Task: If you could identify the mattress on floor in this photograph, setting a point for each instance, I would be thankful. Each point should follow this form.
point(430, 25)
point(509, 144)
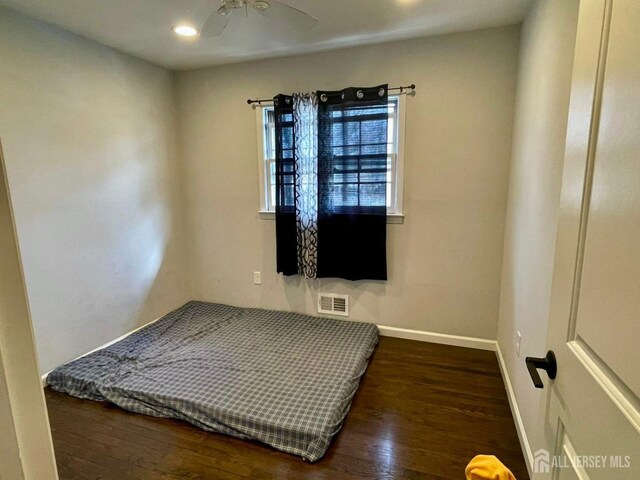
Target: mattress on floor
point(285, 379)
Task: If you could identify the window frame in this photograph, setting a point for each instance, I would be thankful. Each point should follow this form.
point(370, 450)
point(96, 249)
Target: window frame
point(395, 213)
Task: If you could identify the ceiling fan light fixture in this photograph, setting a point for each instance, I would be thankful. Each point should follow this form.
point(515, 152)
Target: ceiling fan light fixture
point(185, 30)
point(261, 5)
point(288, 16)
point(233, 4)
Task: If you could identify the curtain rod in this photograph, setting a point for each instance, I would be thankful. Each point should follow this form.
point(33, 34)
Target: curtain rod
point(408, 90)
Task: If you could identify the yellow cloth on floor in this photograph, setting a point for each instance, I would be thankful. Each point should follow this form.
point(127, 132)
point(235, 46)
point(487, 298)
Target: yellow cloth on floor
point(487, 467)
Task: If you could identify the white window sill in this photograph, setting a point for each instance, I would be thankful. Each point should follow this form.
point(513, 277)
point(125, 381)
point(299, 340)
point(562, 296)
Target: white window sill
point(391, 217)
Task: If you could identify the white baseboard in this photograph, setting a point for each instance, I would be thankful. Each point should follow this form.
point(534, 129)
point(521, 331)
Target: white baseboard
point(515, 411)
point(442, 338)
point(43, 377)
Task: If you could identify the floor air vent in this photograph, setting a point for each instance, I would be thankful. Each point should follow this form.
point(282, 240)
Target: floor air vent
point(333, 304)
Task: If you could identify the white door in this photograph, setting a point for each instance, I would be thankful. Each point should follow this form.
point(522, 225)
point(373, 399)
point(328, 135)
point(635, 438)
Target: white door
point(591, 414)
point(26, 449)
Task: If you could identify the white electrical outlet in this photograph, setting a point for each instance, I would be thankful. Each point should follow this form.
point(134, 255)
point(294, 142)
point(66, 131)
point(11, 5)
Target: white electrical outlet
point(257, 278)
point(518, 342)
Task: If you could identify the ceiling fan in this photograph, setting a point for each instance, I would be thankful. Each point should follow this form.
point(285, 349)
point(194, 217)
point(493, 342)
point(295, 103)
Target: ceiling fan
point(294, 18)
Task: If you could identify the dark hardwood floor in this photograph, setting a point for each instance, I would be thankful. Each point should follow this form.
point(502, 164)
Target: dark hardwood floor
point(422, 412)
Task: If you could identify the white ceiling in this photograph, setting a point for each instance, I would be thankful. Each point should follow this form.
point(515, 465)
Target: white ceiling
point(143, 27)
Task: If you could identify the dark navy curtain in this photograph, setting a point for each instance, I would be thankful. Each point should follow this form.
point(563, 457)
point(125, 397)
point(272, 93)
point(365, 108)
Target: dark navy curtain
point(351, 204)
point(286, 230)
point(352, 183)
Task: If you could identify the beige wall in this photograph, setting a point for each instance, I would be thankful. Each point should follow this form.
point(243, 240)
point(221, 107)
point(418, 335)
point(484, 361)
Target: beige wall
point(89, 140)
point(26, 450)
point(445, 260)
point(544, 81)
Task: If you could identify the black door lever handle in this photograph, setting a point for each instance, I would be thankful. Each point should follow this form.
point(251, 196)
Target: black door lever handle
point(547, 364)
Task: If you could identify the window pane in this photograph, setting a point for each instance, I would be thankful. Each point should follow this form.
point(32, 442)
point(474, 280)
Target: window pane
point(269, 133)
point(392, 145)
point(271, 184)
point(356, 162)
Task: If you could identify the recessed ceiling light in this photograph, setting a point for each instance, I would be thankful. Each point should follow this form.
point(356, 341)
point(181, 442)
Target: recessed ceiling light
point(185, 30)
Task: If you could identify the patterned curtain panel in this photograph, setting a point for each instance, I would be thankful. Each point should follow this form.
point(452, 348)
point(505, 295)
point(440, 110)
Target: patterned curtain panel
point(353, 175)
point(332, 176)
point(305, 128)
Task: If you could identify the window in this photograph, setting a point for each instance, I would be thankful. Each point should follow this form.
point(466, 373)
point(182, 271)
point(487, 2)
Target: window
point(267, 163)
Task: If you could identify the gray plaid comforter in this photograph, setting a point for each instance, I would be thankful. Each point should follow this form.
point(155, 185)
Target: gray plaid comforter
point(285, 379)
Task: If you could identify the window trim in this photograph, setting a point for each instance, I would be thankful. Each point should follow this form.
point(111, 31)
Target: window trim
point(262, 181)
point(393, 217)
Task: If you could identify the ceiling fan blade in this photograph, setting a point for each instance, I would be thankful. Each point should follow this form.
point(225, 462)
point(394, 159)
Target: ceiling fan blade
point(215, 24)
point(296, 19)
